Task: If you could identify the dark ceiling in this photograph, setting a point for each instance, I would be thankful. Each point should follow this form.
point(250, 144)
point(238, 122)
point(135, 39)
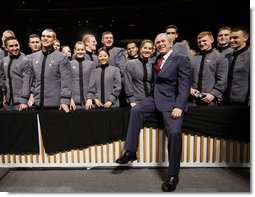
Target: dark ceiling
point(126, 19)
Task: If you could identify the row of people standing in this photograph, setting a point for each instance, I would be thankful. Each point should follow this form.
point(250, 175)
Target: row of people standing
point(172, 82)
point(211, 71)
point(221, 75)
point(53, 74)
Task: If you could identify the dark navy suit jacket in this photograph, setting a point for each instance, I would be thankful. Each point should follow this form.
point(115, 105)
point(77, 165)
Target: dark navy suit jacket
point(172, 85)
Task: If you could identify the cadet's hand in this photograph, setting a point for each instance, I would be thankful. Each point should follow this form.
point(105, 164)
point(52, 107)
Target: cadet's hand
point(176, 113)
point(72, 105)
point(98, 103)
point(31, 100)
point(193, 91)
point(108, 104)
point(208, 97)
point(4, 101)
point(64, 107)
point(22, 106)
point(89, 104)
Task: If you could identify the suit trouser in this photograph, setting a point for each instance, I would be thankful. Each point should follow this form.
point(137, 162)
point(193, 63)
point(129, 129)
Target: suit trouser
point(172, 126)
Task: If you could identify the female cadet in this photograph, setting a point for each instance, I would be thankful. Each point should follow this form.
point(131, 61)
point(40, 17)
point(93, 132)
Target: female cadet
point(83, 81)
point(108, 82)
point(138, 74)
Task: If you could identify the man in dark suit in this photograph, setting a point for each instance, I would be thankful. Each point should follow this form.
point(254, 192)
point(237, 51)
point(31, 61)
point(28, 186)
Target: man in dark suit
point(169, 95)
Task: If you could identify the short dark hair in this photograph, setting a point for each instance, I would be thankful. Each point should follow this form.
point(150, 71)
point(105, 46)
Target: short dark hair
point(105, 33)
point(244, 29)
point(33, 36)
point(103, 49)
point(172, 26)
point(225, 28)
point(9, 38)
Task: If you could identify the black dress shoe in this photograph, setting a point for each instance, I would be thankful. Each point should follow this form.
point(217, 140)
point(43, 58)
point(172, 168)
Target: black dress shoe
point(170, 184)
point(127, 157)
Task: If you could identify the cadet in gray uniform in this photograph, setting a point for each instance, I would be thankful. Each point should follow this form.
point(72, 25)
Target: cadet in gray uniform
point(52, 75)
point(17, 75)
point(108, 82)
point(209, 73)
point(83, 79)
point(3, 51)
point(34, 43)
point(179, 47)
point(90, 46)
point(238, 84)
point(132, 50)
point(223, 38)
point(138, 74)
point(117, 54)
point(117, 59)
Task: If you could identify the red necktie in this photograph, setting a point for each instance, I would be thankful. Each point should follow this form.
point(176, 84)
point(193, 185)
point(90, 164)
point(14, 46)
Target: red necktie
point(158, 64)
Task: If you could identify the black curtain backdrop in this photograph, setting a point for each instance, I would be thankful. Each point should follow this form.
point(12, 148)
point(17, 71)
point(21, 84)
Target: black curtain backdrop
point(79, 129)
point(18, 132)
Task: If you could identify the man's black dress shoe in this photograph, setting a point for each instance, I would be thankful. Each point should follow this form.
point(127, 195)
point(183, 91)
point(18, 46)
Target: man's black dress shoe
point(170, 184)
point(128, 156)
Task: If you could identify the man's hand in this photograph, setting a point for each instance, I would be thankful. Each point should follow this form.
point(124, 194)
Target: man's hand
point(98, 103)
point(23, 106)
point(89, 104)
point(31, 100)
point(193, 91)
point(132, 104)
point(64, 107)
point(208, 97)
point(4, 101)
point(108, 104)
point(72, 105)
point(176, 113)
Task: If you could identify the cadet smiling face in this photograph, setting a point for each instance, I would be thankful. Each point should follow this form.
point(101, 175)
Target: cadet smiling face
point(79, 50)
point(146, 50)
point(238, 40)
point(13, 47)
point(103, 57)
point(48, 38)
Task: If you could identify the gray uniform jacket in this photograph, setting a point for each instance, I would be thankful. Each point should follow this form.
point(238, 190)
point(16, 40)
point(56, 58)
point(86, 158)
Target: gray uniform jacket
point(182, 48)
point(83, 80)
point(17, 75)
point(52, 79)
point(89, 56)
point(108, 84)
point(223, 50)
point(28, 56)
point(3, 53)
point(118, 58)
point(238, 87)
point(137, 79)
point(210, 73)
